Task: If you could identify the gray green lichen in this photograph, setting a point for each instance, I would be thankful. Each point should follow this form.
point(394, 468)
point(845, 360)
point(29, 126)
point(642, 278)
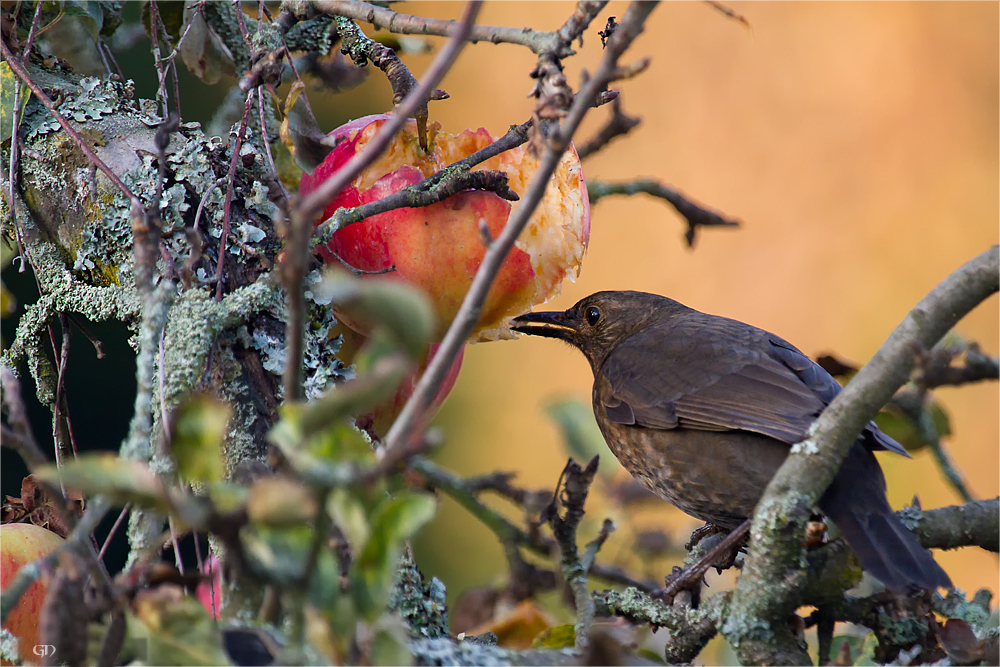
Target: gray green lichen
point(976, 612)
point(423, 607)
point(315, 35)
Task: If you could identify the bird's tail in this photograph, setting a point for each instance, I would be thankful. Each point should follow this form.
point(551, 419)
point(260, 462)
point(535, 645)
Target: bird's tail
point(856, 503)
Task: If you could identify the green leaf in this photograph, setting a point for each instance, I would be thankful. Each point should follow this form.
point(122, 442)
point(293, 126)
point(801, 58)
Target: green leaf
point(280, 501)
point(179, 631)
point(198, 433)
point(120, 480)
point(89, 13)
point(388, 646)
point(911, 424)
point(8, 81)
point(349, 513)
point(279, 554)
point(172, 16)
point(393, 522)
point(354, 397)
point(560, 636)
point(653, 657)
point(331, 458)
point(401, 309)
point(581, 433)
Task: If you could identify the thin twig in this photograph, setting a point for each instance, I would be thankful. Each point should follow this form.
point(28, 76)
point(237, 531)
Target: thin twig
point(114, 529)
point(292, 266)
point(162, 382)
point(15, 136)
point(61, 386)
point(469, 312)
point(267, 143)
point(26, 52)
point(936, 369)
point(573, 496)
point(230, 178)
point(459, 491)
point(946, 465)
point(98, 349)
point(694, 214)
point(197, 9)
point(517, 135)
point(447, 186)
point(551, 90)
point(111, 56)
point(615, 575)
point(728, 12)
point(618, 125)
point(161, 72)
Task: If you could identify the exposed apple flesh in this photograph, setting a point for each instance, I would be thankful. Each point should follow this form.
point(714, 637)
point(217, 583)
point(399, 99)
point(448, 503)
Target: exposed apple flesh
point(440, 247)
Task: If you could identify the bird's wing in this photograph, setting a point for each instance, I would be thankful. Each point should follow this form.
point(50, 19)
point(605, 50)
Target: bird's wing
point(742, 381)
point(826, 387)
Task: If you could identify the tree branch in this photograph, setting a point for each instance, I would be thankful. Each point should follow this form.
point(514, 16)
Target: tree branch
point(618, 125)
point(765, 593)
point(695, 214)
point(973, 524)
point(305, 211)
point(362, 48)
point(407, 24)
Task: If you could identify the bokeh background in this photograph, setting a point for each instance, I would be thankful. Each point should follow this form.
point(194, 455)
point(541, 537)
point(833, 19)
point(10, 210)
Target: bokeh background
point(857, 142)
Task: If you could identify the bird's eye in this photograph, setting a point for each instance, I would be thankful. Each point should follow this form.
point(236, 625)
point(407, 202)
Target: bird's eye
point(592, 315)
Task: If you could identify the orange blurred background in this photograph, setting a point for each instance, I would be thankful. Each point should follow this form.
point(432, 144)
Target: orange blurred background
point(858, 144)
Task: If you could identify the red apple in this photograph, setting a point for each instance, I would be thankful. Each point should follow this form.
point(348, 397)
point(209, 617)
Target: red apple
point(20, 544)
point(209, 591)
point(440, 247)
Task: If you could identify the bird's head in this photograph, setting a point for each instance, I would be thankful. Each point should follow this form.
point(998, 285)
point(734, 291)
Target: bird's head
point(597, 323)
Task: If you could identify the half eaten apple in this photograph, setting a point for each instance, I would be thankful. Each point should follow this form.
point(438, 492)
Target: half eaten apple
point(440, 247)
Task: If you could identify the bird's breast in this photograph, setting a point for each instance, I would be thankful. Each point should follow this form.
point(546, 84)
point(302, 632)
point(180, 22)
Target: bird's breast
point(715, 476)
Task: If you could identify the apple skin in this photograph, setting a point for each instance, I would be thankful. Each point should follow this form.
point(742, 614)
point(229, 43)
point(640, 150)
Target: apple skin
point(209, 590)
point(21, 544)
point(440, 247)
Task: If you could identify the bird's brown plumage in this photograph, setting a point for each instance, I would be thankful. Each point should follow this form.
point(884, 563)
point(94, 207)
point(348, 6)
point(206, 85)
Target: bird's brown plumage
point(703, 409)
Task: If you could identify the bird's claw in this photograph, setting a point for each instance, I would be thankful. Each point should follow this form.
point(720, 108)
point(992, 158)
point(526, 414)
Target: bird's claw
point(701, 533)
point(681, 579)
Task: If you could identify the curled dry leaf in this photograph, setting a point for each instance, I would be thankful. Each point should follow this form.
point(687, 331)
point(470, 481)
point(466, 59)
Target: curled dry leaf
point(960, 642)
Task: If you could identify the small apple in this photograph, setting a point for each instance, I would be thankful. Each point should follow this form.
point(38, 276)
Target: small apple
point(20, 544)
point(440, 247)
point(209, 590)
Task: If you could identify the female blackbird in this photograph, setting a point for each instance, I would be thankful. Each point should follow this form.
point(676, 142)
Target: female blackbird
point(703, 410)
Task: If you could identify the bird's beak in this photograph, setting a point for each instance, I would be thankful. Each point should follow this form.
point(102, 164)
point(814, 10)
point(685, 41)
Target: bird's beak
point(550, 325)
